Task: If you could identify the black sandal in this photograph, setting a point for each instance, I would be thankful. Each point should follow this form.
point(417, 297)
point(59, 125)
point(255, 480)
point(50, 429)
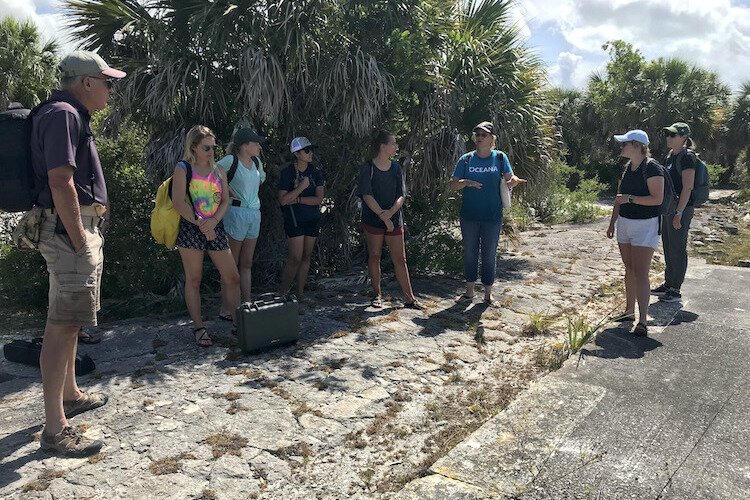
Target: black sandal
point(641, 330)
point(414, 305)
point(203, 340)
point(376, 302)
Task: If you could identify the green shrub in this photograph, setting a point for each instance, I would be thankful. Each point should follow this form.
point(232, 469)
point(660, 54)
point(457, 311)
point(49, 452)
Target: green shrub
point(715, 171)
point(134, 265)
point(563, 204)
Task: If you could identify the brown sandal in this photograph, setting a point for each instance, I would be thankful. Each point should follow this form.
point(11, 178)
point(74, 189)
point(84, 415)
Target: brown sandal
point(203, 340)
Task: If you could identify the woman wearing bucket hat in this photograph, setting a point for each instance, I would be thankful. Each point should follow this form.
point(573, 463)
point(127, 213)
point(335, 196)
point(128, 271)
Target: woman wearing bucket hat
point(478, 175)
point(300, 193)
point(681, 163)
point(245, 174)
point(635, 218)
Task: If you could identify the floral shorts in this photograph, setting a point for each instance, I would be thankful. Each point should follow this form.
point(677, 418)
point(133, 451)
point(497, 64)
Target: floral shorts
point(190, 236)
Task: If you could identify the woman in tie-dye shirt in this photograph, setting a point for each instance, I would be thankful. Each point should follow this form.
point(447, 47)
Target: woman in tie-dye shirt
point(202, 204)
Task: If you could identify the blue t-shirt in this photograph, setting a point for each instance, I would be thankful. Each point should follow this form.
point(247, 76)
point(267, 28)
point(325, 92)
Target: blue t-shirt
point(482, 204)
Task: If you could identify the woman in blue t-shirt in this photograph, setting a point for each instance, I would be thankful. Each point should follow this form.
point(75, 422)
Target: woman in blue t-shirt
point(242, 220)
point(381, 186)
point(300, 194)
point(478, 175)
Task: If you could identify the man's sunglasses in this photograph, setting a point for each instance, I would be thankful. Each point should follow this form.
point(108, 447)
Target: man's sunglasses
point(670, 134)
point(109, 82)
point(480, 135)
point(209, 148)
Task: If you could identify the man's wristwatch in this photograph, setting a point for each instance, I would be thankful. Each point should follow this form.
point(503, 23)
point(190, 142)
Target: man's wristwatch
point(678, 212)
point(630, 198)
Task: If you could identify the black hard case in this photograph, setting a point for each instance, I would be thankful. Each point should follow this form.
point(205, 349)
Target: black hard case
point(269, 321)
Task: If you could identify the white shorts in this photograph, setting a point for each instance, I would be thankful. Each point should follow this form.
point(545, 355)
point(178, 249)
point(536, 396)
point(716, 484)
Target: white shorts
point(638, 232)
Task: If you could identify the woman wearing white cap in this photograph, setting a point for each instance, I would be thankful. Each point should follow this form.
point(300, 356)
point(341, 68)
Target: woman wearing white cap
point(635, 216)
point(245, 174)
point(300, 194)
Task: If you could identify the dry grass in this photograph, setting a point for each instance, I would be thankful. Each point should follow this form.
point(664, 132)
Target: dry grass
point(96, 458)
point(338, 334)
point(236, 407)
point(207, 494)
point(148, 402)
point(169, 465)
point(232, 396)
point(42, 482)
point(300, 410)
point(225, 442)
point(291, 452)
point(384, 420)
point(356, 440)
point(450, 355)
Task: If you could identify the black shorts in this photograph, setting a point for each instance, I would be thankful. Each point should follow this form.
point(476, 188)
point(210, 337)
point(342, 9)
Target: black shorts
point(190, 236)
point(309, 228)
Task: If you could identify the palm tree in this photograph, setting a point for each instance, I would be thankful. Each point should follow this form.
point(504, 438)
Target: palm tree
point(29, 67)
point(336, 70)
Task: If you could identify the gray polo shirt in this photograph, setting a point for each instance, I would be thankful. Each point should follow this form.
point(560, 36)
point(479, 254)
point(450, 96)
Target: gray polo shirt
point(61, 135)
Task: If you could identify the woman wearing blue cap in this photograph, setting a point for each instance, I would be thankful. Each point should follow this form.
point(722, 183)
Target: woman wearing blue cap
point(635, 217)
point(245, 174)
point(300, 193)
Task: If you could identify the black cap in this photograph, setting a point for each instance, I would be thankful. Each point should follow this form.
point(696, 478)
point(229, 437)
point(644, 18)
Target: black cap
point(245, 135)
point(485, 126)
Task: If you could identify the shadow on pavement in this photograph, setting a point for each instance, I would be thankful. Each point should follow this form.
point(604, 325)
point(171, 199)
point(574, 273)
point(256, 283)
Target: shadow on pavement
point(11, 444)
point(618, 342)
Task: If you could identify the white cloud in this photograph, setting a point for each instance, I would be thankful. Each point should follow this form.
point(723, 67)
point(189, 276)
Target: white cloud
point(714, 34)
point(45, 14)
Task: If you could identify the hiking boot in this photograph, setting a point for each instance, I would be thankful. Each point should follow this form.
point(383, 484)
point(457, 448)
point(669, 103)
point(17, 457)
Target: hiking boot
point(86, 403)
point(671, 296)
point(660, 290)
point(70, 443)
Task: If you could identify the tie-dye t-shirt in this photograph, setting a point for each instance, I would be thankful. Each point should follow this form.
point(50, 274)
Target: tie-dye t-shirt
point(206, 193)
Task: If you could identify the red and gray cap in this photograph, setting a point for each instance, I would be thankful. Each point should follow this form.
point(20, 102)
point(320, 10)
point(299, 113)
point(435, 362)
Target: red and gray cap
point(85, 63)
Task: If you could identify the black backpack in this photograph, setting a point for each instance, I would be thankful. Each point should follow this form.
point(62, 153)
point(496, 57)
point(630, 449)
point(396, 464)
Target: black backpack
point(668, 202)
point(702, 184)
point(18, 182)
point(233, 168)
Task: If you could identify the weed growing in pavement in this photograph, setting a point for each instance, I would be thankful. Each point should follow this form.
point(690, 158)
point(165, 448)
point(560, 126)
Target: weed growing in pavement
point(169, 465)
point(580, 332)
point(43, 481)
point(225, 442)
point(538, 324)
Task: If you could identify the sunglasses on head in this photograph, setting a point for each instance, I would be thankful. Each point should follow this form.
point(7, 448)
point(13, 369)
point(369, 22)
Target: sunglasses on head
point(109, 82)
point(671, 134)
point(209, 148)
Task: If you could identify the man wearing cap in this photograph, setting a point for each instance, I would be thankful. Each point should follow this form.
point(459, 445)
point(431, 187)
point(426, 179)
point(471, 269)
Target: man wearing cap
point(75, 206)
point(680, 163)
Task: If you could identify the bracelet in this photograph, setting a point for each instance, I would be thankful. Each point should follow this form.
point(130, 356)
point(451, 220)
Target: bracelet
point(630, 198)
point(678, 212)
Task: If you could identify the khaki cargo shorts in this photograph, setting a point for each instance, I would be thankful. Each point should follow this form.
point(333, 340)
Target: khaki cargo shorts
point(74, 277)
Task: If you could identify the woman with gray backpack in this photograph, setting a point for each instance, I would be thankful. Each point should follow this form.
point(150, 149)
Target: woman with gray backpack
point(691, 184)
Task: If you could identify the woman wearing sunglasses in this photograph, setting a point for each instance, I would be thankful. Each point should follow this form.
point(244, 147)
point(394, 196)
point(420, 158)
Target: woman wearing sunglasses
point(635, 217)
point(300, 194)
point(242, 220)
point(680, 163)
point(381, 187)
point(478, 175)
point(201, 229)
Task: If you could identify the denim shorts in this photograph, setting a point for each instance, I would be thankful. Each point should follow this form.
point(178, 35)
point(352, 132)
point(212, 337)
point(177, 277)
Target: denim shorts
point(75, 278)
point(242, 223)
point(638, 232)
point(190, 236)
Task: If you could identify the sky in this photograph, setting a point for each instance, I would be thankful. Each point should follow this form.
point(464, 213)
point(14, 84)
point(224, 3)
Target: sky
point(568, 34)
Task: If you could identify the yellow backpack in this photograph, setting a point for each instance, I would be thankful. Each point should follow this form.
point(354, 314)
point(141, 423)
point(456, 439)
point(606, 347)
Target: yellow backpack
point(165, 220)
